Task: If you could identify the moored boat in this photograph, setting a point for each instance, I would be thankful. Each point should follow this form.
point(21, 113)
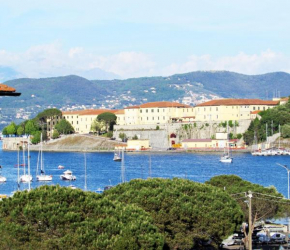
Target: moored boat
point(2, 179)
point(67, 176)
point(117, 156)
point(42, 176)
point(226, 159)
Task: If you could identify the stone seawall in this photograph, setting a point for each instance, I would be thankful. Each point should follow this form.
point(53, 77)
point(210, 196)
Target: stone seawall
point(159, 134)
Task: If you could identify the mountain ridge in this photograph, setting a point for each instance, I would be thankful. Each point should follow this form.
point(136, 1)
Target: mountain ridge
point(76, 92)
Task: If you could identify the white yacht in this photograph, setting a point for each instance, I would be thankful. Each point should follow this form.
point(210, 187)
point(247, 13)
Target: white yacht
point(67, 176)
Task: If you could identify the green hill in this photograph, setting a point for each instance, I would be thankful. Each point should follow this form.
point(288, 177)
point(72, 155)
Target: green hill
point(61, 92)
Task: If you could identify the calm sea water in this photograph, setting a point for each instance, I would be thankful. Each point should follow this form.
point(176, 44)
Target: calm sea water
point(102, 170)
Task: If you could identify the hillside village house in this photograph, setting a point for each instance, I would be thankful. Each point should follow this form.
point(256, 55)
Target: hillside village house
point(156, 113)
point(231, 109)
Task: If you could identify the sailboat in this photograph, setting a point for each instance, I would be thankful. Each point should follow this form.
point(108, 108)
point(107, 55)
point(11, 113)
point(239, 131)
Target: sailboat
point(2, 178)
point(226, 157)
point(117, 156)
point(26, 177)
point(42, 176)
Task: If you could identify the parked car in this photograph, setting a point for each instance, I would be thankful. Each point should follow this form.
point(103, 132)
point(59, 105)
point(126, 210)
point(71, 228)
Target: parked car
point(278, 237)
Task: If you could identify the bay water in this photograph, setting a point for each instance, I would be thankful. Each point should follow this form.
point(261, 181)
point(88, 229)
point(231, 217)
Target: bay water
point(102, 170)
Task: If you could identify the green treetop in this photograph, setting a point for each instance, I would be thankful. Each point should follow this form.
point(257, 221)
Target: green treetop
point(11, 129)
point(109, 119)
point(186, 213)
point(54, 217)
point(64, 127)
point(261, 207)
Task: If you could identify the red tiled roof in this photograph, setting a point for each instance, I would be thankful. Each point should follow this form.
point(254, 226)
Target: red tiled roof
point(133, 107)
point(89, 112)
point(75, 112)
point(256, 112)
point(197, 140)
point(160, 105)
point(96, 111)
point(119, 112)
point(230, 102)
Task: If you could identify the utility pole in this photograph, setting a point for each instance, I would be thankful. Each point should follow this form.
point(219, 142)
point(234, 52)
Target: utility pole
point(250, 195)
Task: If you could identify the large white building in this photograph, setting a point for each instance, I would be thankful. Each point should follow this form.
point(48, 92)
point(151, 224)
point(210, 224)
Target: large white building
point(82, 120)
point(156, 113)
point(231, 109)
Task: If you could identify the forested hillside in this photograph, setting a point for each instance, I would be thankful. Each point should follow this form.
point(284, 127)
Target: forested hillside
point(67, 91)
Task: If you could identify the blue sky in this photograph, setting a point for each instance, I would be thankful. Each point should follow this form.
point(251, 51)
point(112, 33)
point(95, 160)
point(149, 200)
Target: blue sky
point(134, 38)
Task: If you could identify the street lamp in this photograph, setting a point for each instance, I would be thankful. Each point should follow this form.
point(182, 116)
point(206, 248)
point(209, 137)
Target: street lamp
point(288, 171)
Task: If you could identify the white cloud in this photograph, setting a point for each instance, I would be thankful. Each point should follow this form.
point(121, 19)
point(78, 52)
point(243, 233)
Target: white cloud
point(52, 60)
point(267, 61)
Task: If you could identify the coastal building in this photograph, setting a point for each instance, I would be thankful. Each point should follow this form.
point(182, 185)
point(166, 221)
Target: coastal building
point(156, 113)
point(231, 109)
point(138, 144)
point(202, 143)
point(50, 123)
point(82, 120)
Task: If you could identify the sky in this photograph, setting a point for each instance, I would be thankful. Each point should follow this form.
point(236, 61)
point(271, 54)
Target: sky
point(133, 38)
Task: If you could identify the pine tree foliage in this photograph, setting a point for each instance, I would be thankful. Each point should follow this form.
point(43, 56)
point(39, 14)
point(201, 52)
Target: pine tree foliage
point(54, 217)
point(188, 214)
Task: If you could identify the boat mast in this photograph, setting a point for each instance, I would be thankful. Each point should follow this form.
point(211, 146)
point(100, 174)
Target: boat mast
point(23, 153)
point(85, 171)
point(41, 158)
point(123, 167)
point(18, 180)
point(150, 165)
point(28, 163)
point(228, 139)
point(279, 135)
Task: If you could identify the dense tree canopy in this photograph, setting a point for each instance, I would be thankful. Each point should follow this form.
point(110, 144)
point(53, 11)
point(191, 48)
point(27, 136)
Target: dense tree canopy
point(186, 213)
point(11, 129)
point(279, 115)
point(31, 127)
point(20, 130)
point(55, 134)
point(98, 126)
point(48, 113)
point(262, 206)
point(54, 217)
point(64, 127)
point(108, 118)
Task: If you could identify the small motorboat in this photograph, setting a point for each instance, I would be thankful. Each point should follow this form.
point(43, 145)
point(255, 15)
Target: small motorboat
point(72, 186)
point(99, 190)
point(67, 176)
point(2, 179)
point(60, 167)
